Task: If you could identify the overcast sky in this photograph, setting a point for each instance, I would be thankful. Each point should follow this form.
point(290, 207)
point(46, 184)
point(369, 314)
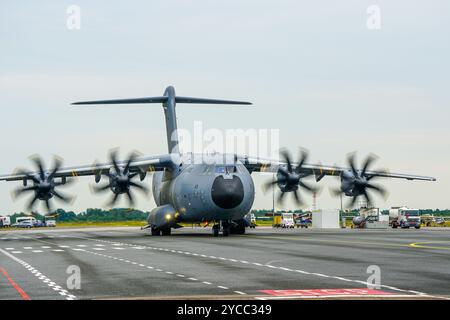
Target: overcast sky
point(312, 69)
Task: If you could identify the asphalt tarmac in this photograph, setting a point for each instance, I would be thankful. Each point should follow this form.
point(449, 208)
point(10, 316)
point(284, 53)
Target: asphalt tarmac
point(128, 263)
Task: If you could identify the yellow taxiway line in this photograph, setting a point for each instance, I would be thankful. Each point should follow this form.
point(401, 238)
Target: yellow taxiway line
point(416, 245)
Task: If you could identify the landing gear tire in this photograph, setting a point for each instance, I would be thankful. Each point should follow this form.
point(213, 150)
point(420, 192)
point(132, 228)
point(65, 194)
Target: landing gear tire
point(166, 231)
point(156, 232)
point(238, 227)
point(215, 230)
point(225, 228)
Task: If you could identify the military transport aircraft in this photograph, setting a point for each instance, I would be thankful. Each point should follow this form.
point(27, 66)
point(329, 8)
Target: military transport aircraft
point(196, 188)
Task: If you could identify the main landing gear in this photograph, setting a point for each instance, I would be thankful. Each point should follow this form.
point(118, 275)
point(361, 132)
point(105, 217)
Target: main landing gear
point(216, 230)
point(228, 227)
point(161, 231)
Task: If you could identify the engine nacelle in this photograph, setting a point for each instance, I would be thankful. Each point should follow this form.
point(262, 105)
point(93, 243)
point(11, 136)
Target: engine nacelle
point(358, 220)
point(163, 216)
point(347, 183)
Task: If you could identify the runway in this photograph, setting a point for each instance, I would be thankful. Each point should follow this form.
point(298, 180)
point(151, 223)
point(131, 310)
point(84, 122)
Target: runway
point(124, 263)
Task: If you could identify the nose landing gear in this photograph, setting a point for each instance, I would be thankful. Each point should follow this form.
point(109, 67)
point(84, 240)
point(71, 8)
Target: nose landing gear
point(224, 226)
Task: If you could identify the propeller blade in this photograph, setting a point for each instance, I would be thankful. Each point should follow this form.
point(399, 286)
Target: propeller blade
point(113, 158)
point(113, 200)
point(336, 192)
point(141, 187)
point(134, 175)
point(351, 163)
point(269, 184)
point(56, 167)
point(64, 198)
point(130, 198)
point(47, 204)
point(281, 197)
point(99, 189)
point(287, 159)
point(303, 158)
point(39, 164)
point(25, 173)
point(32, 202)
point(297, 198)
point(131, 158)
point(305, 186)
point(380, 189)
point(369, 160)
point(19, 191)
point(352, 203)
point(367, 197)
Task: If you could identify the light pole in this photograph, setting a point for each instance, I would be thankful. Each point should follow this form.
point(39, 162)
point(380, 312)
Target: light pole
point(273, 198)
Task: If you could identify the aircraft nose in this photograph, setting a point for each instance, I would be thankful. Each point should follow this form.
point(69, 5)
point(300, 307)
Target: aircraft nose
point(227, 193)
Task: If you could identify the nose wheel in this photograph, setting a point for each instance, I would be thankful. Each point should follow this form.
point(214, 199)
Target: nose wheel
point(224, 226)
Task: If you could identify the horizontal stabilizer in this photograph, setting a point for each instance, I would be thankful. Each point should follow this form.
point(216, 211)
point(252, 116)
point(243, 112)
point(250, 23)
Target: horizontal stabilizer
point(125, 101)
point(179, 99)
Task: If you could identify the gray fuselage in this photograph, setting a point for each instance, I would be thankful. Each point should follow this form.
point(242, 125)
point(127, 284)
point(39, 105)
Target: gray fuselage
point(205, 192)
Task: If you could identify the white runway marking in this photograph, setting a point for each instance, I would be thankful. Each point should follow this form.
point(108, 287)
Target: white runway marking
point(240, 292)
point(40, 276)
point(259, 264)
point(157, 269)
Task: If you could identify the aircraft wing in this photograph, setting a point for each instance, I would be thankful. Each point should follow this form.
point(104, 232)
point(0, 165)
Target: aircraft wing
point(141, 165)
point(319, 171)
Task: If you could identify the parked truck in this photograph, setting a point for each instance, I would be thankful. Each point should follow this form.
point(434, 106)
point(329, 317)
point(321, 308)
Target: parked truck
point(285, 220)
point(5, 222)
point(404, 217)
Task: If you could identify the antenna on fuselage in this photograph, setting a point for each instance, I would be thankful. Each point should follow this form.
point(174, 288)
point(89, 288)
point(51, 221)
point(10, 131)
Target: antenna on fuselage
point(169, 101)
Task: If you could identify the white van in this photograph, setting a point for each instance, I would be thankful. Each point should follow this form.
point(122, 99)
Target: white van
point(5, 222)
point(25, 222)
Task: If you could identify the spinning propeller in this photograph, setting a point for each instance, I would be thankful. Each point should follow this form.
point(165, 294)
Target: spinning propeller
point(289, 177)
point(44, 184)
point(357, 183)
point(120, 179)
